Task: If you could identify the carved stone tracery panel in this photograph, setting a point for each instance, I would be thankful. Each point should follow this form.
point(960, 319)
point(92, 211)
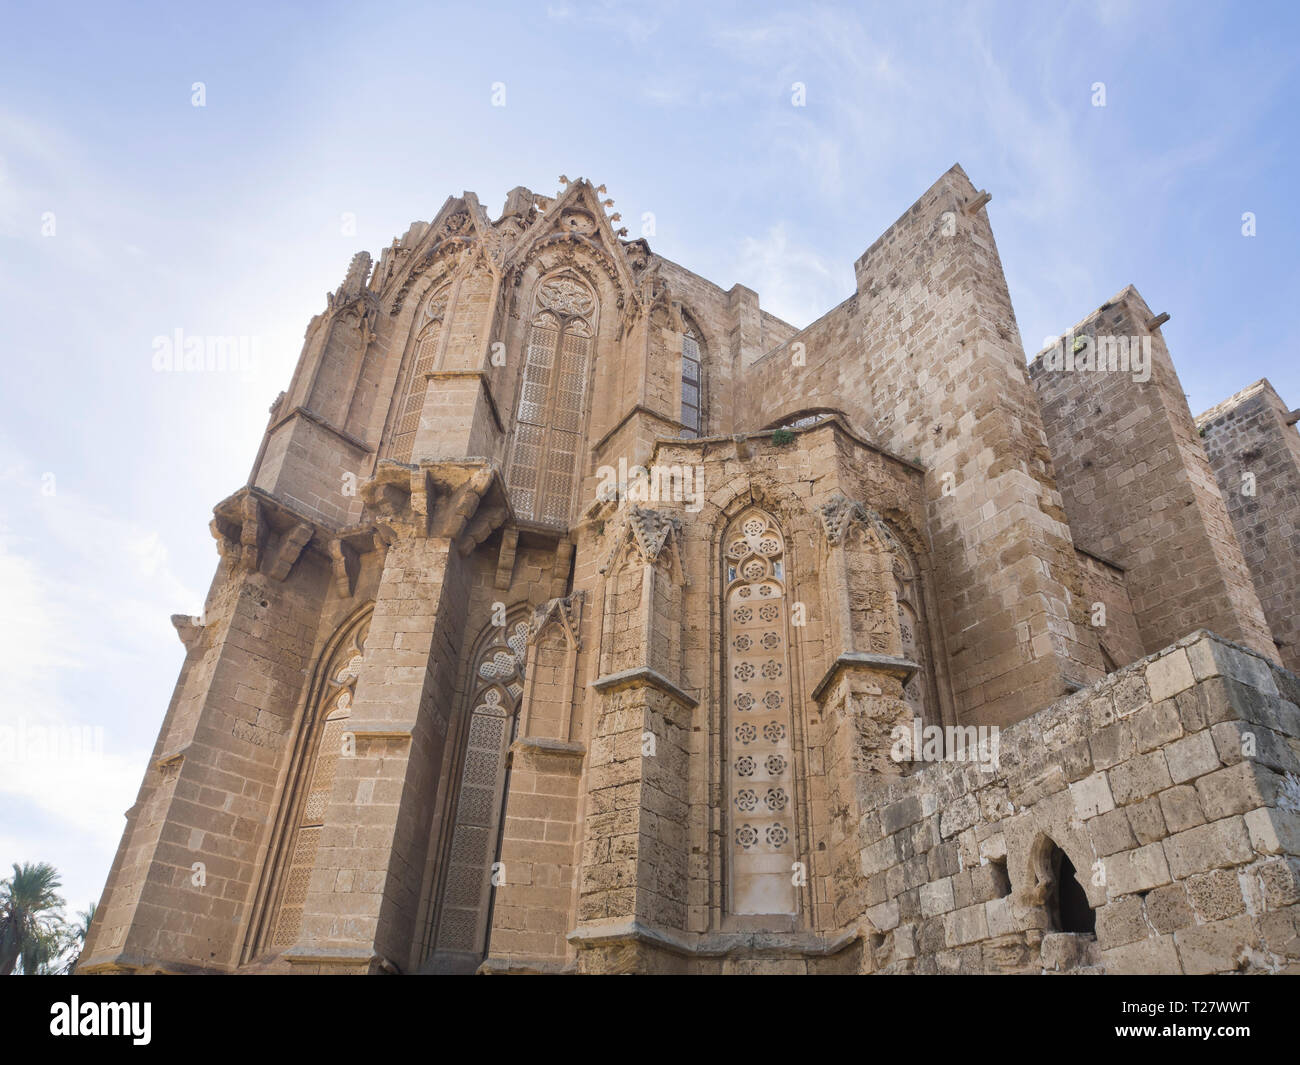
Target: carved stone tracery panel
point(758, 722)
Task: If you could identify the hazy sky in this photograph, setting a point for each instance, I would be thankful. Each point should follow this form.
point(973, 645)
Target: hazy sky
point(127, 213)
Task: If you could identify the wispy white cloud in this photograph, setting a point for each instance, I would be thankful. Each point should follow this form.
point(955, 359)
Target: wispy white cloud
point(84, 613)
point(797, 284)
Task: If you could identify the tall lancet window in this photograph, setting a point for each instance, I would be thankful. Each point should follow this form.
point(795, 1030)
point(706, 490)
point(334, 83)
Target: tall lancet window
point(432, 316)
point(552, 399)
point(457, 933)
point(756, 737)
point(318, 780)
point(692, 383)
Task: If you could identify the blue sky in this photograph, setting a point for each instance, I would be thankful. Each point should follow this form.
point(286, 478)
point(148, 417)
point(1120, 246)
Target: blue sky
point(228, 219)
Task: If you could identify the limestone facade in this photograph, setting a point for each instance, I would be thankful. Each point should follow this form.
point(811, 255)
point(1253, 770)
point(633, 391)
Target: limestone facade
point(576, 608)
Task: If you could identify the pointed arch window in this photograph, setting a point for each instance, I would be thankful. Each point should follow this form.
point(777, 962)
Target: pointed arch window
point(552, 401)
point(457, 933)
point(692, 384)
point(417, 381)
point(757, 738)
point(305, 839)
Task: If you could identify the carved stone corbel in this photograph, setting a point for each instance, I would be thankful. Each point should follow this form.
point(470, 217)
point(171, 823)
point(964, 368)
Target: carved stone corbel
point(252, 536)
point(256, 532)
point(188, 628)
point(291, 545)
point(461, 501)
point(344, 564)
point(506, 559)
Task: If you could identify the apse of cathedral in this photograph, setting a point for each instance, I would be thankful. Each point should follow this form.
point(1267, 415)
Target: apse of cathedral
point(579, 615)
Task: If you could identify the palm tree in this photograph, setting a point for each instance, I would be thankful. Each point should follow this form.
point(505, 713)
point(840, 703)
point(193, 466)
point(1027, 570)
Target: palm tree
point(76, 937)
point(31, 929)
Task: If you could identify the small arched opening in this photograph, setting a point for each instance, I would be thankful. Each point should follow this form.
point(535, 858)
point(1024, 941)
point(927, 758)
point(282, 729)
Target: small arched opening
point(1064, 898)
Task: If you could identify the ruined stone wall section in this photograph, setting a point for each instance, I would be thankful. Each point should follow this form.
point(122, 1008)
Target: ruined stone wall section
point(1138, 487)
point(1173, 786)
point(1253, 433)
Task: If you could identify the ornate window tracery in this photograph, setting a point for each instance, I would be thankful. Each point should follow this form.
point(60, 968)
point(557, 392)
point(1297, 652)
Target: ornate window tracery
point(458, 924)
point(757, 734)
point(426, 349)
point(552, 399)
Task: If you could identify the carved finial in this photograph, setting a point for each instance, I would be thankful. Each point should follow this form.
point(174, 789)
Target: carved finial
point(607, 203)
point(616, 217)
point(622, 232)
point(565, 181)
point(600, 190)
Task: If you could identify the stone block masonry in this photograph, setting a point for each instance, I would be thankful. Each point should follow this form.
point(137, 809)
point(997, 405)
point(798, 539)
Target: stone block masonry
point(1254, 450)
point(1173, 789)
point(460, 702)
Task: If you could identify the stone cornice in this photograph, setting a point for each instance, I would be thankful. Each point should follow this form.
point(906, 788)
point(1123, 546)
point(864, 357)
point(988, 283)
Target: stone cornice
point(541, 745)
point(459, 500)
point(890, 665)
point(643, 676)
point(338, 956)
point(638, 408)
point(833, 419)
point(316, 419)
point(711, 944)
point(258, 532)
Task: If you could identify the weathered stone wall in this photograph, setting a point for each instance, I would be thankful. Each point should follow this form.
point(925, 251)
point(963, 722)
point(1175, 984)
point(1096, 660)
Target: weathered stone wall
point(1138, 488)
point(925, 360)
point(1253, 433)
point(1171, 786)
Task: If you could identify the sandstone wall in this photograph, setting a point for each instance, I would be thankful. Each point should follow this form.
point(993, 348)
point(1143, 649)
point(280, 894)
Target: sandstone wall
point(1138, 489)
point(926, 360)
point(1254, 433)
point(1186, 847)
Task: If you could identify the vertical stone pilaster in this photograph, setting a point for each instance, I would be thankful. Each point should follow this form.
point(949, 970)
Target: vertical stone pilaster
point(539, 841)
point(362, 904)
point(861, 697)
point(634, 874)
